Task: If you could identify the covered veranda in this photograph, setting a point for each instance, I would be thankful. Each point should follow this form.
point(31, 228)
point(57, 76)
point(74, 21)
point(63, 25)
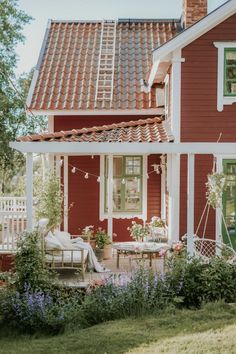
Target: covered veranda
point(172, 150)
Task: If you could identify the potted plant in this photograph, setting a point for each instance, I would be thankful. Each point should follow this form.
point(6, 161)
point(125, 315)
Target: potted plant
point(157, 224)
point(102, 241)
point(88, 235)
point(157, 228)
point(138, 231)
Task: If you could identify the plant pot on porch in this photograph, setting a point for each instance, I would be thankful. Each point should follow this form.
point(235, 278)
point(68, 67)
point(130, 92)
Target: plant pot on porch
point(99, 252)
point(107, 252)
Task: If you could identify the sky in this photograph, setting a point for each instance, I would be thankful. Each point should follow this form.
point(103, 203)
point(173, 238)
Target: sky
point(42, 10)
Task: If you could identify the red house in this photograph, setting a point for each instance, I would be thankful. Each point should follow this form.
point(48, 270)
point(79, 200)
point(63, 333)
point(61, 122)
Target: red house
point(126, 102)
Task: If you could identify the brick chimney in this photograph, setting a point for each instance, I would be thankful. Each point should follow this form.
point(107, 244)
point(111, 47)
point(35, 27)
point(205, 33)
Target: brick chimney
point(193, 11)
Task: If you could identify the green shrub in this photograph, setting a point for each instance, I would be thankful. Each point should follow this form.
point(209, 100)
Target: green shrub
point(37, 311)
point(138, 294)
point(30, 268)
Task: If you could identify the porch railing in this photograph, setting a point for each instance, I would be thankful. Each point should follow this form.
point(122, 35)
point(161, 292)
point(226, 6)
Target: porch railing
point(12, 221)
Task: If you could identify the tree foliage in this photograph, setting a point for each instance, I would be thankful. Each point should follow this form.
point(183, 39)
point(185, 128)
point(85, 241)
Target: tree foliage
point(13, 119)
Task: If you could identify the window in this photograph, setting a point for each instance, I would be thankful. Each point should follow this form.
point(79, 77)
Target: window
point(127, 184)
point(226, 75)
point(230, 72)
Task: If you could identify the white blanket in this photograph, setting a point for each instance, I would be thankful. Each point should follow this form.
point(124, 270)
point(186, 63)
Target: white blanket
point(92, 259)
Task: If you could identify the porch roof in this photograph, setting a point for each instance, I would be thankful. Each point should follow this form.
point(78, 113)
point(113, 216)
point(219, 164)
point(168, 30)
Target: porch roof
point(142, 130)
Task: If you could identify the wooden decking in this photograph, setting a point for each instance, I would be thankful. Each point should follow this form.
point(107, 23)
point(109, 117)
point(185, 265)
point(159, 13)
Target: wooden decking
point(127, 265)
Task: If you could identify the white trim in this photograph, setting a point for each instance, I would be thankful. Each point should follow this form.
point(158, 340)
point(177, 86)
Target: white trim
point(101, 188)
point(163, 187)
point(195, 31)
point(65, 177)
point(110, 197)
point(174, 192)
point(221, 99)
point(65, 148)
point(29, 191)
point(123, 215)
point(176, 94)
point(218, 218)
point(190, 204)
point(58, 166)
point(32, 86)
point(100, 112)
point(219, 169)
point(36, 71)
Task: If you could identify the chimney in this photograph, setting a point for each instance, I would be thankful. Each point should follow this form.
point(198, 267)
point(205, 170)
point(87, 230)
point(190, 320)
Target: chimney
point(193, 11)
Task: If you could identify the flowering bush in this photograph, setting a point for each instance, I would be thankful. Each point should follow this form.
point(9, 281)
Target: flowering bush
point(138, 231)
point(157, 222)
point(32, 311)
point(88, 232)
point(215, 187)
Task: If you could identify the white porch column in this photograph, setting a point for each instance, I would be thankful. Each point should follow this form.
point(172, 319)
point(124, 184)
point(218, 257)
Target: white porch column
point(163, 187)
point(173, 167)
point(190, 205)
point(110, 196)
point(29, 191)
point(51, 130)
point(65, 182)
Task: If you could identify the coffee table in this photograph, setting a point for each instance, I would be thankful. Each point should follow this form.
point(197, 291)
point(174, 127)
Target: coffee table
point(140, 248)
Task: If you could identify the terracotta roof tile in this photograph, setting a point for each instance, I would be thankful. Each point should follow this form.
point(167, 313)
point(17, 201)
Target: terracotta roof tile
point(69, 66)
point(142, 130)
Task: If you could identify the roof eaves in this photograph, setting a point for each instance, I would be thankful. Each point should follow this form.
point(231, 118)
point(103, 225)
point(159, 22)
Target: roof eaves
point(37, 68)
point(196, 30)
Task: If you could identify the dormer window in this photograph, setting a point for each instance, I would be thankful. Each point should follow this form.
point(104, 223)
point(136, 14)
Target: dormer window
point(230, 72)
point(226, 75)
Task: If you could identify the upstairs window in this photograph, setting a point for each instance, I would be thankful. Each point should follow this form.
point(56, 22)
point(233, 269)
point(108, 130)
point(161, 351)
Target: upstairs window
point(230, 72)
point(226, 74)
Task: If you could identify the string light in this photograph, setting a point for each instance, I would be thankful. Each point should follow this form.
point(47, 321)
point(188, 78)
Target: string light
point(92, 157)
point(61, 162)
point(98, 178)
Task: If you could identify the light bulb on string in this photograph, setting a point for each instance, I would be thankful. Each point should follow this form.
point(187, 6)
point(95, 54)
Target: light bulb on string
point(61, 162)
point(73, 170)
point(86, 176)
point(99, 179)
point(123, 181)
point(92, 156)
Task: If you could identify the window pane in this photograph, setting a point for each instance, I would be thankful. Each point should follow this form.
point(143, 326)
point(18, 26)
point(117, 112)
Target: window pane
point(132, 194)
point(133, 165)
point(117, 166)
point(230, 57)
point(230, 72)
point(117, 194)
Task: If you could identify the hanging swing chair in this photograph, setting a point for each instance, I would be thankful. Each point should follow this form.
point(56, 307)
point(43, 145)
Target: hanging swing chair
point(206, 248)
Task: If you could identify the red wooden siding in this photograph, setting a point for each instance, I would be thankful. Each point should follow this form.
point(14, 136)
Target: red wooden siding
point(84, 193)
point(200, 120)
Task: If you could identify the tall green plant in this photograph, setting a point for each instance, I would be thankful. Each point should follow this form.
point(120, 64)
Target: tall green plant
point(50, 201)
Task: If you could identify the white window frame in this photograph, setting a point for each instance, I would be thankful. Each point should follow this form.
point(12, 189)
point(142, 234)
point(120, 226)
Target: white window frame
point(219, 169)
point(123, 215)
point(221, 99)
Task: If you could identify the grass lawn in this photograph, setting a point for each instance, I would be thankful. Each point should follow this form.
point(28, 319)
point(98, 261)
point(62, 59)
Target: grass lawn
point(209, 330)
